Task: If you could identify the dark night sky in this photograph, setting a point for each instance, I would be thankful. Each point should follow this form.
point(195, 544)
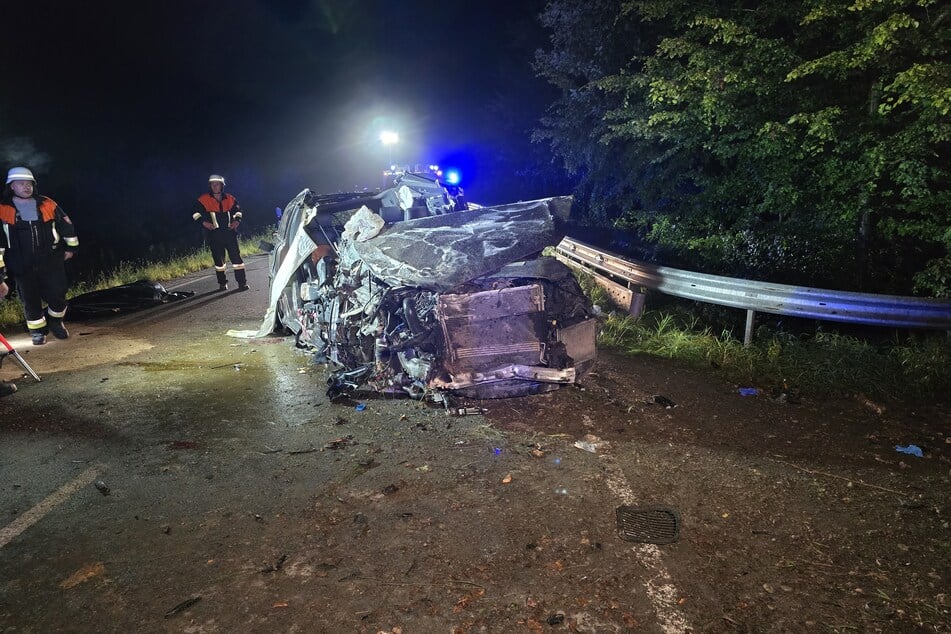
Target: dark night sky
point(126, 107)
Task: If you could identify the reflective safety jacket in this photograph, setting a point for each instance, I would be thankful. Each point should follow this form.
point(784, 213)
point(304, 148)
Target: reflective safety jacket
point(28, 243)
point(220, 213)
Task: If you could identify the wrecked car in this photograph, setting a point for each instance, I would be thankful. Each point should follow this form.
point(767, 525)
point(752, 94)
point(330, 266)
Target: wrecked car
point(401, 293)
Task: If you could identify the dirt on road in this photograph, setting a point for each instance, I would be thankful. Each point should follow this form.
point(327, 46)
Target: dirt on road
point(796, 516)
point(167, 477)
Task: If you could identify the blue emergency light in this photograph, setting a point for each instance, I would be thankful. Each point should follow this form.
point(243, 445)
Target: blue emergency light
point(452, 177)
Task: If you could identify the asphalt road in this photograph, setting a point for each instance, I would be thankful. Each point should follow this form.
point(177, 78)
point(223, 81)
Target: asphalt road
point(166, 476)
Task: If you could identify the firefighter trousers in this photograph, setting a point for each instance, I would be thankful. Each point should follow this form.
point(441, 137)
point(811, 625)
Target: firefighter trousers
point(226, 240)
point(44, 282)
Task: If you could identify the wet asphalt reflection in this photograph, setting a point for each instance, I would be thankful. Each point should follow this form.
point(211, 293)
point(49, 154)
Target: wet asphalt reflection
point(164, 476)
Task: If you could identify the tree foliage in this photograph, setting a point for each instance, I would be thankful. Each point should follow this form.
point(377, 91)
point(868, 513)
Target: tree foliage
point(803, 142)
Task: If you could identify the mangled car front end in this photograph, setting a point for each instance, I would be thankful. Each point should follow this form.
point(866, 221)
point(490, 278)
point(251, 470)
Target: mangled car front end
point(429, 302)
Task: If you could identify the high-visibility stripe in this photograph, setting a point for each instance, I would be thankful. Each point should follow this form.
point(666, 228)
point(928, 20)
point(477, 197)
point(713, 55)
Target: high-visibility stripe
point(56, 314)
point(36, 324)
point(237, 267)
point(72, 241)
point(196, 215)
point(221, 268)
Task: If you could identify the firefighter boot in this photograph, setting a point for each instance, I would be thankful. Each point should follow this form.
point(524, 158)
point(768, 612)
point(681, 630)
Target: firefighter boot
point(242, 279)
point(7, 388)
point(57, 328)
point(222, 280)
point(38, 336)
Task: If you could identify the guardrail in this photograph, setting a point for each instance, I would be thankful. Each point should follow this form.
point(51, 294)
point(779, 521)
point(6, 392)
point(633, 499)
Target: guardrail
point(626, 279)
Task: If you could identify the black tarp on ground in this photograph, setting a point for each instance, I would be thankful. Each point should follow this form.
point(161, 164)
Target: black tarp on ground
point(122, 299)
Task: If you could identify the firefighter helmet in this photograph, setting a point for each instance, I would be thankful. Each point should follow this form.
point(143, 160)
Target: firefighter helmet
point(19, 174)
point(216, 178)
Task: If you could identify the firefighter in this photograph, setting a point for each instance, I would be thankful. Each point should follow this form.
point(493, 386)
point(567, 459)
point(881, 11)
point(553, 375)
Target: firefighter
point(37, 238)
point(220, 214)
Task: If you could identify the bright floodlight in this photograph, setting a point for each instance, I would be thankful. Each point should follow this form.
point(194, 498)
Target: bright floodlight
point(388, 137)
point(452, 177)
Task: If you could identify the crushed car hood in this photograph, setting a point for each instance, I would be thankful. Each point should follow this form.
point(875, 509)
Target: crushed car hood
point(441, 252)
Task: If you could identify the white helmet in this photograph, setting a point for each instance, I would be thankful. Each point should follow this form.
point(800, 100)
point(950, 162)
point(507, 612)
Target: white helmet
point(19, 174)
point(216, 178)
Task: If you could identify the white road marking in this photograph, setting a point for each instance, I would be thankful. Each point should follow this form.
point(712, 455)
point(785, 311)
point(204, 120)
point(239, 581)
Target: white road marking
point(188, 282)
point(660, 588)
point(39, 511)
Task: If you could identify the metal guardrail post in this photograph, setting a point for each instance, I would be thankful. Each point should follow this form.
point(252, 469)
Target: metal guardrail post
point(748, 332)
point(638, 300)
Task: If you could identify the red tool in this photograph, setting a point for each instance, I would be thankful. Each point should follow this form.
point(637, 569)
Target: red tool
point(16, 355)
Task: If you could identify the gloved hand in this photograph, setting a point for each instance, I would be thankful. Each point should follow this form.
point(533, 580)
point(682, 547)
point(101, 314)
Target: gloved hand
point(234, 225)
point(4, 289)
point(207, 225)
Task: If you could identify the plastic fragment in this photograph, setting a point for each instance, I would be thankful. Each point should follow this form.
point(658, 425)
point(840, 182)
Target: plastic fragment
point(591, 443)
point(466, 411)
point(912, 450)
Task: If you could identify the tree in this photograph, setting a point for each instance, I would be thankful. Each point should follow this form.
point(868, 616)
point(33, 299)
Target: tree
point(799, 142)
point(881, 102)
point(590, 41)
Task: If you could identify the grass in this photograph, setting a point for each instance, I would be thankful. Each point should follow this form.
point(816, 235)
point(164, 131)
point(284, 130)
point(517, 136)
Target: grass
point(11, 312)
point(908, 368)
